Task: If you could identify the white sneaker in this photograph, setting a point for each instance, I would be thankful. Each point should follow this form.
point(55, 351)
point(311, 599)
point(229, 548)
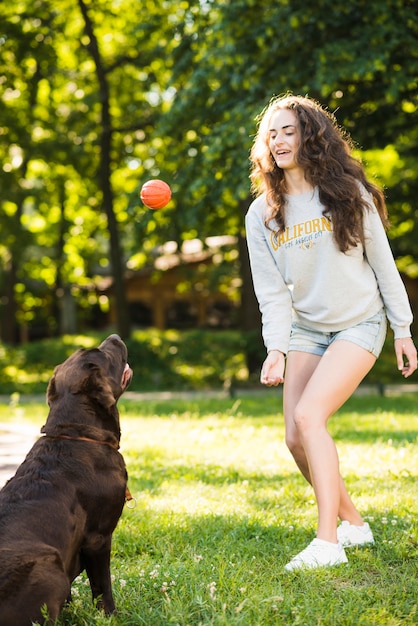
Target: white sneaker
point(319, 553)
point(350, 535)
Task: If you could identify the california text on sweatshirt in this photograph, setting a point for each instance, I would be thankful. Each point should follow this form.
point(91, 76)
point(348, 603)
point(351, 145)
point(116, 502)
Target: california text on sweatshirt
point(300, 274)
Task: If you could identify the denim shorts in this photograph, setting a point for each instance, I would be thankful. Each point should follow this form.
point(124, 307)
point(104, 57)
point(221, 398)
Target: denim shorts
point(369, 335)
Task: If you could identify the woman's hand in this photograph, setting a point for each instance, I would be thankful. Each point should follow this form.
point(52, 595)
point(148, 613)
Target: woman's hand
point(406, 356)
point(272, 372)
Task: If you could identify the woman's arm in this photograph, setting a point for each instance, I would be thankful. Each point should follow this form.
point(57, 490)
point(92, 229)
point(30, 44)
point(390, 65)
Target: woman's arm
point(270, 289)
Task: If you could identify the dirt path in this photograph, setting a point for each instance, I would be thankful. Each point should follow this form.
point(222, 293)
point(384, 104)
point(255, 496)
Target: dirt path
point(15, 443)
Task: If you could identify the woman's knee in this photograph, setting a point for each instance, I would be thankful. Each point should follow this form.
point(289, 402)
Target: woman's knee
point(301, 424)
point(300, 419)
point(293, 441)
point(308, 420)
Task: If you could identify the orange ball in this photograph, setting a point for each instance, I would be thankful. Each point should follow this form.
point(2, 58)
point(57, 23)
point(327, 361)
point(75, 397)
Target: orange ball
point(155, 194)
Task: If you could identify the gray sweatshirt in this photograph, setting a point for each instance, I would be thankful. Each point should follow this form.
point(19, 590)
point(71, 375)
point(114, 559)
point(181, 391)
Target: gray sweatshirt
point(302, 275)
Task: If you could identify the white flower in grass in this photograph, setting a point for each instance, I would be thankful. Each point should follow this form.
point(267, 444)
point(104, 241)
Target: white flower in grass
point(212, 590)
point(384, 520)
point(394, 522)
point(75, 591)
point(197, 557)
point(122, 582)
point(240, 606)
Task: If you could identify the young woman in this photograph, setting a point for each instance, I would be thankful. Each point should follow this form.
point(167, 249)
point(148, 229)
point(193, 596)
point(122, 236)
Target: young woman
point(325, 279)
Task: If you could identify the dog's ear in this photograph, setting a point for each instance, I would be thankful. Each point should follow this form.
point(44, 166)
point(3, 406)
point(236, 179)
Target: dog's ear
point(51, 392)
point(98, 388)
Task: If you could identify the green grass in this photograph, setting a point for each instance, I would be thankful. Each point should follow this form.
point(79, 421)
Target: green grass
point(221, 509)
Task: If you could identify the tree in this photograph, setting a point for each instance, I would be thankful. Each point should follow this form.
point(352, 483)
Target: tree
point(109, 98)
point(104, 176)
point(86, 136)
point(22, 73)
point(360, 62)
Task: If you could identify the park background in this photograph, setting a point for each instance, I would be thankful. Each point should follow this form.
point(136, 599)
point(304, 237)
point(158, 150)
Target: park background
point(96, 98)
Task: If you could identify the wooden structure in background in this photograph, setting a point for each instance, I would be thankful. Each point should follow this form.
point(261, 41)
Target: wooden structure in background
point(157, 295)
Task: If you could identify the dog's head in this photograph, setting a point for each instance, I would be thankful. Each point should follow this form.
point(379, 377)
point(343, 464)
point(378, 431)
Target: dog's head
point(100, 374)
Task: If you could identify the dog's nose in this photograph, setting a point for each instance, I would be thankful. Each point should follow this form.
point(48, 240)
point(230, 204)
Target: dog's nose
point(115, 337)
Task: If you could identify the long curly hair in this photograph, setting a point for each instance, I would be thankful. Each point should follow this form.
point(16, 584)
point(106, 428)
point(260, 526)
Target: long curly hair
point(324, 153)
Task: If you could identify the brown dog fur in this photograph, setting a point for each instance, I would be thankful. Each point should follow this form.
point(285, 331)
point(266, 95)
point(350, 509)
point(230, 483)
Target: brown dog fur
point(58, 513)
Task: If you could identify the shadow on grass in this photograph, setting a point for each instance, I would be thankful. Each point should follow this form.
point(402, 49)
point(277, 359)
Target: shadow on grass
point(216, 533)
point(228, 570)
point(199, 534)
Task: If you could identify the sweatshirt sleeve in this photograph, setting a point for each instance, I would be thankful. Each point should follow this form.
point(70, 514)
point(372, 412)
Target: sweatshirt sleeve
point(272, 293)
point(391, 287)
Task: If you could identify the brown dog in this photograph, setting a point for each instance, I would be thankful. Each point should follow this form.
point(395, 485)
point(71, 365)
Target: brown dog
point(58, 513)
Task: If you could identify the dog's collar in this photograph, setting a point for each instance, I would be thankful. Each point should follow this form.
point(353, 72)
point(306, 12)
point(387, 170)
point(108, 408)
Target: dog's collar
point(115, 445)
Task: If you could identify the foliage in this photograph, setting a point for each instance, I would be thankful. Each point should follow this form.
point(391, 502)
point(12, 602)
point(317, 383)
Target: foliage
point(185, 82)
point(51, 136)
point(163, 360)
point(245, 52)
point(221, 508)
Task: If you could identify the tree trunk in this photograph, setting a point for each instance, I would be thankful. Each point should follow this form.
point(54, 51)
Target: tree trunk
point(10, 332)
point(8, 323)
point(116, 257)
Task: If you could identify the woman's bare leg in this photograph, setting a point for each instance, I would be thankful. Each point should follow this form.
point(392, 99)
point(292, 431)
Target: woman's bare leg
point(315, 387)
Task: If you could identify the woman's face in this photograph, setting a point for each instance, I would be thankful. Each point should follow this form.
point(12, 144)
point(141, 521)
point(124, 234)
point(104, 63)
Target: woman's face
point(284, 138)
